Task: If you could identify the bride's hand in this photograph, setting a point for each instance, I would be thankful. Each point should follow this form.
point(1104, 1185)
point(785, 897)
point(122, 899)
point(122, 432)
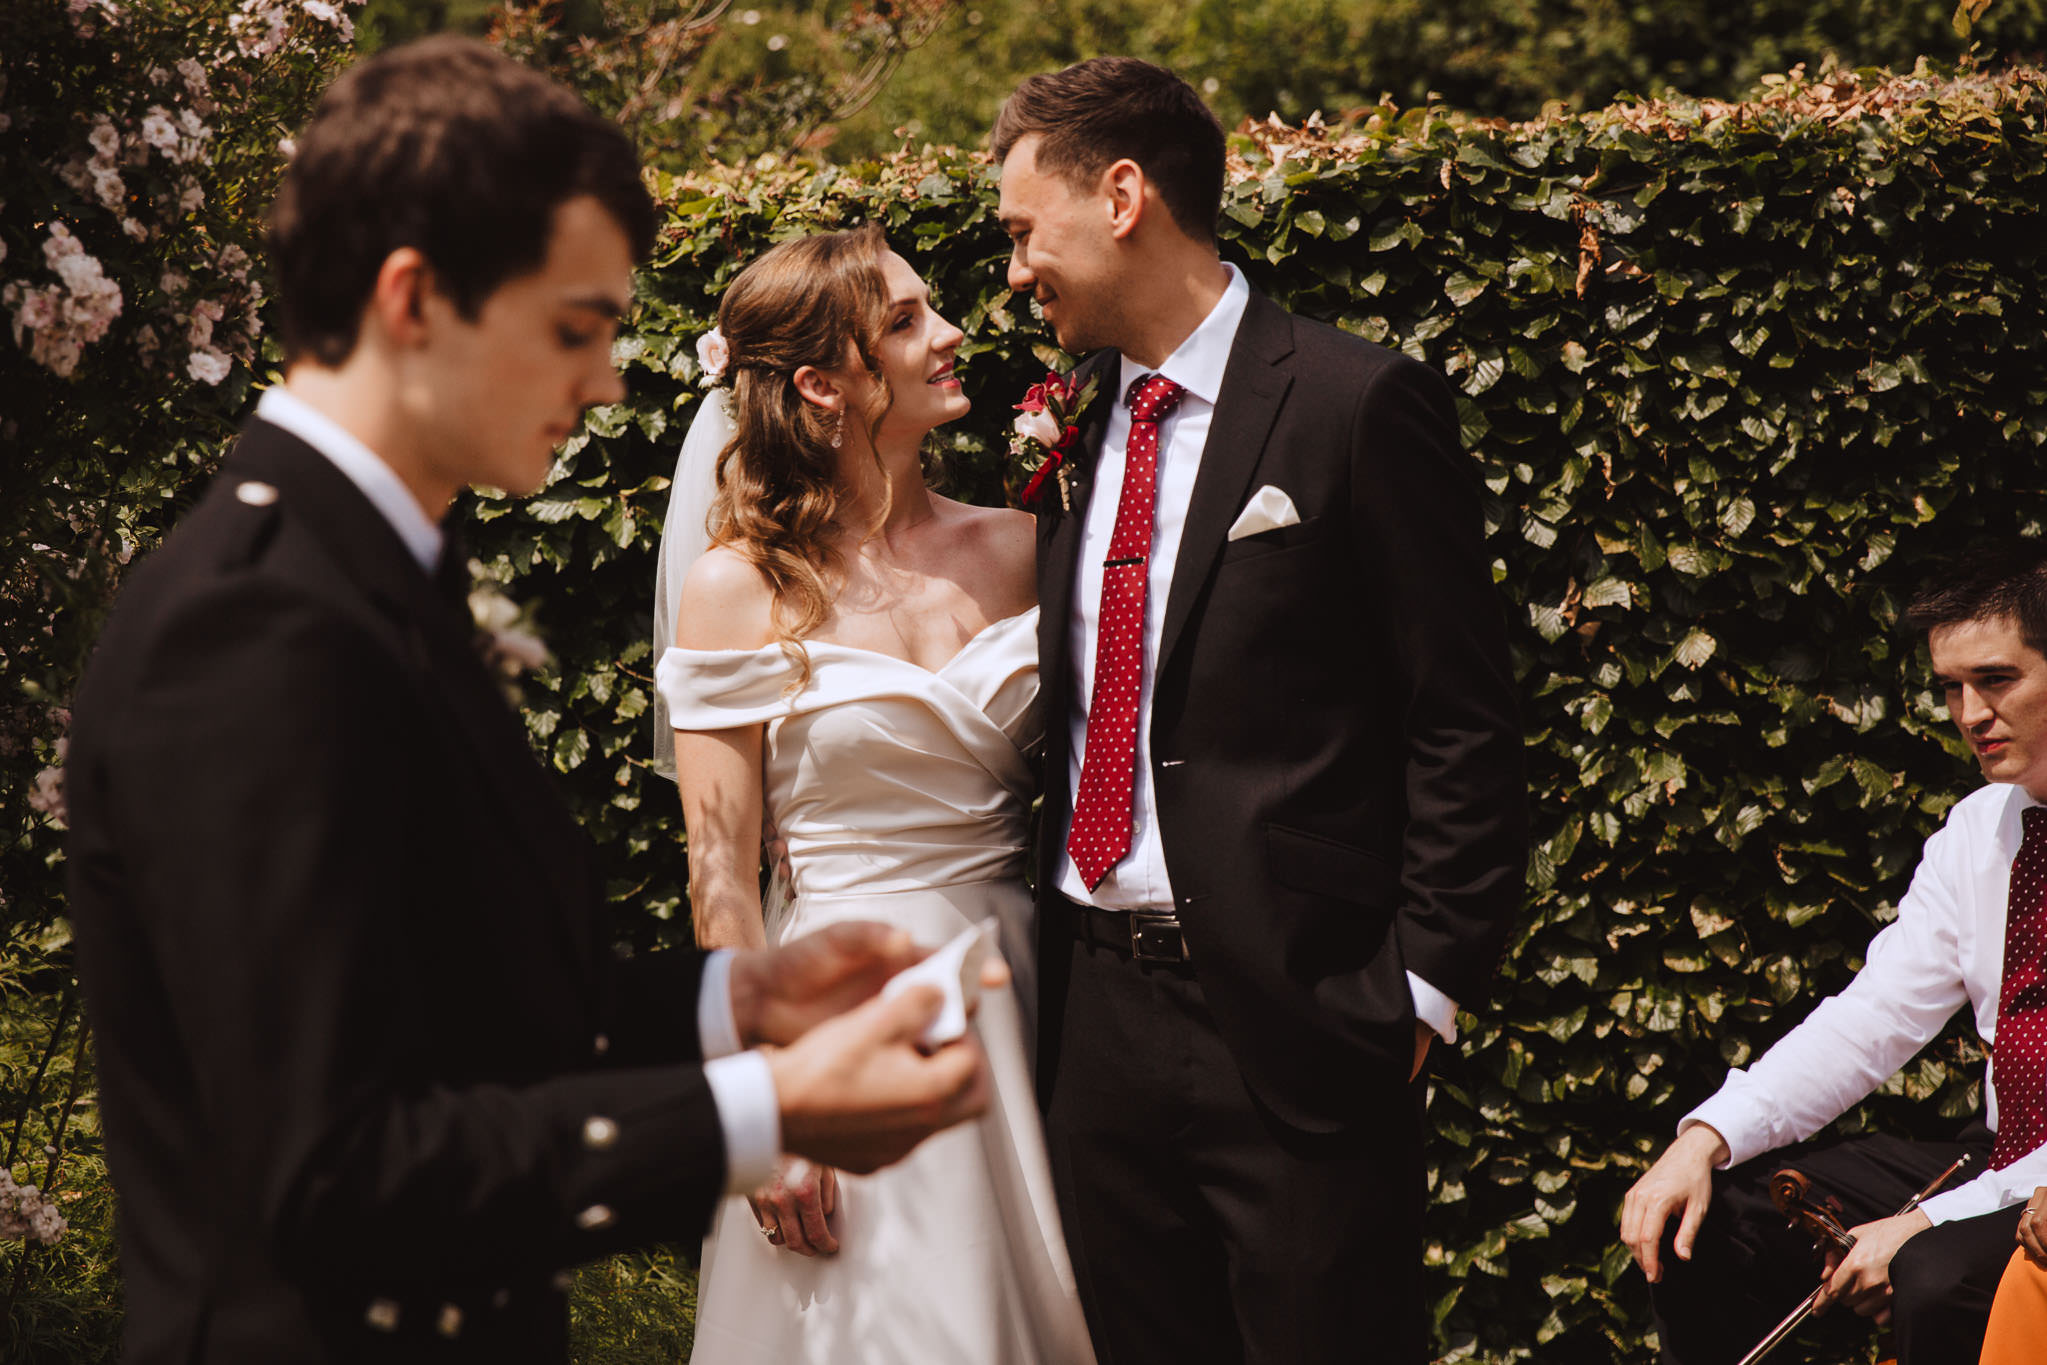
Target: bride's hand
point(793, 1207)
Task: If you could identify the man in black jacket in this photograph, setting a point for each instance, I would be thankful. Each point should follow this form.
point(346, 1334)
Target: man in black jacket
point(1284, 823)
point(371, 1076)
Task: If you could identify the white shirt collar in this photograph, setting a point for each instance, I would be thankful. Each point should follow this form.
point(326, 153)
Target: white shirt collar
point(362, 467)
point(1198, 363)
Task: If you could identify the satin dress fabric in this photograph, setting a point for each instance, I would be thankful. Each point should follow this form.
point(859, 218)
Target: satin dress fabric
point(904, 795)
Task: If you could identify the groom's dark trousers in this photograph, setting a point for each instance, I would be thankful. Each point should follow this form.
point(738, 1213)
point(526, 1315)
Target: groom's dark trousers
point(1338, 774)
point(370, 1075)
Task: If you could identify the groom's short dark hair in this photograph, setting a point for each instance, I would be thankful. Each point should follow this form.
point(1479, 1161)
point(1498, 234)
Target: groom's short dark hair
point(449, 147)
point(1108, 109)
point(1995, 581)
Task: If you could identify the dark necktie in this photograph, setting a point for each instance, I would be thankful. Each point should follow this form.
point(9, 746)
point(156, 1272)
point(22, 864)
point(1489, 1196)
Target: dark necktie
point(1108, 772)
point(2019, 1055)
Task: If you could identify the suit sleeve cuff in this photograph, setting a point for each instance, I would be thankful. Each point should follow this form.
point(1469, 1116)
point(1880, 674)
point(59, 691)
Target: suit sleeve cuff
point(749, 1115)
point(1433, 1008)
point(716, 1027)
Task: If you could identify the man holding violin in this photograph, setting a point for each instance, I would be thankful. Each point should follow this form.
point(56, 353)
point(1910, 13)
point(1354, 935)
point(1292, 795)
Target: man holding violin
point(1971, 930)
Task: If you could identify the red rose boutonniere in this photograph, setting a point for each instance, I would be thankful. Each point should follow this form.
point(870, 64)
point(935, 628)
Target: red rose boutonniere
point(1044, 435)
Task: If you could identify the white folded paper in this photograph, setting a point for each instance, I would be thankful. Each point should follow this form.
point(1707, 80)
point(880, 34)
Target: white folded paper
point(955, 970)
point(1269, 510)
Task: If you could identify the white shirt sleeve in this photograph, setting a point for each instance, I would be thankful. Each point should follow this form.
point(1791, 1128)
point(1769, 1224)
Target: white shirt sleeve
point(742, 1087)
point(1991, 1190)
point(1433, 1008)
point(716, 1027)
point(1908, 989)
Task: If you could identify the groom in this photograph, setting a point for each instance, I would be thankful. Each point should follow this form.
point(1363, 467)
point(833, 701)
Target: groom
point(371, 1076)
point(1284, 828)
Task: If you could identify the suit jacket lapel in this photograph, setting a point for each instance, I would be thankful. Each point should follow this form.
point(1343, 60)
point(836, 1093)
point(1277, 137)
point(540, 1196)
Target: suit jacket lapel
point(1253, 388)
point(370, 553)
point(1059, 555)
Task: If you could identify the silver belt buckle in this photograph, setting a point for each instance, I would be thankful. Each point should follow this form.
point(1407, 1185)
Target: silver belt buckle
point(1156, 937)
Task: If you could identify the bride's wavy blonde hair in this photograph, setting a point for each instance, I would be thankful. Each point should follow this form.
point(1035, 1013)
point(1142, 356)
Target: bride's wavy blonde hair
point(812, 301)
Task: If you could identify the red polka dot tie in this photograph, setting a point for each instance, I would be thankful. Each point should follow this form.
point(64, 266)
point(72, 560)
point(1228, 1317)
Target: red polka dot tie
point(2018, 1057)
point(1108, 772)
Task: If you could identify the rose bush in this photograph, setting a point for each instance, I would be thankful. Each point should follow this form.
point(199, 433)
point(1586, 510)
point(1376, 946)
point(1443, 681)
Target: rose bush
point(138, 145)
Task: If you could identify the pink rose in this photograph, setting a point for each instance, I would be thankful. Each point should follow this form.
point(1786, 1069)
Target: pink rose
point(107, 187)
point(1040, 426)
point(47, 797)
point(713, 355)
point(207, 366)
point(158, 130)
point(37, 310)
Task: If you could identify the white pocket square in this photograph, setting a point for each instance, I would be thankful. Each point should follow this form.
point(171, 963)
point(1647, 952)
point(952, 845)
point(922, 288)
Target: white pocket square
point(1268, 511)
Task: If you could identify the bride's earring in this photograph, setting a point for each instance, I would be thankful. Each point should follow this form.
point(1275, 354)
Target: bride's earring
point(838, 429)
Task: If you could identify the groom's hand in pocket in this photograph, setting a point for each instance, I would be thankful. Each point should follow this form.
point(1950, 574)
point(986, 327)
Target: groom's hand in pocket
point(857, 1093)
point(1423, 1037)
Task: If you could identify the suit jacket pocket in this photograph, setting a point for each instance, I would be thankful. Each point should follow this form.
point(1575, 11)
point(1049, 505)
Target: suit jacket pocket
point(1275, 540)
point(1324, 867)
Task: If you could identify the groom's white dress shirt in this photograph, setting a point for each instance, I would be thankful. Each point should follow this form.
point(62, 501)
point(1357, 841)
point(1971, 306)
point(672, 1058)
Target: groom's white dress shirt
point(1945, 950)
point(742, 1087)
point(1139, 880)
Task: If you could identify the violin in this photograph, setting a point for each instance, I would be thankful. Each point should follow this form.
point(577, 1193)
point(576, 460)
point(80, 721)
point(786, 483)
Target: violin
point(1819, 1214)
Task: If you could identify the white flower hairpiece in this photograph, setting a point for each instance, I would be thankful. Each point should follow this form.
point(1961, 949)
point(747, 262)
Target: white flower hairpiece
point(713, 355)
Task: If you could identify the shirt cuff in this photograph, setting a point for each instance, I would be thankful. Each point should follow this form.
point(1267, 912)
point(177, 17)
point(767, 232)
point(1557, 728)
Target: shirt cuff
point(1731, 1114)
point(717, 1029)
point(1989, 1191)
point(750, 1116)
point(1433, 1008)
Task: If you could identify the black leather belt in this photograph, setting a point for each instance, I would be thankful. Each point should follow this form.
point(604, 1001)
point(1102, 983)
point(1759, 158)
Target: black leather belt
point(1146, 935)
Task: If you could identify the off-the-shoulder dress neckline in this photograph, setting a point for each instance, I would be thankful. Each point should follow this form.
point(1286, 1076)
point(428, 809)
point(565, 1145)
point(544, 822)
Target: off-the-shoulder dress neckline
point(958, 654)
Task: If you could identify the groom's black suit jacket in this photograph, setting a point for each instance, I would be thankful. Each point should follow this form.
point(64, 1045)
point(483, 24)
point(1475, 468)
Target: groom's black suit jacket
point(354, 1012)
point(1334, 743)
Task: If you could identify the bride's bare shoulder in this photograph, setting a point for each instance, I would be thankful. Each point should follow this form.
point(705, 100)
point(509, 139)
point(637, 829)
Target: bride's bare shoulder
point(996, 528)
point(726, 603)
point(1006, 541)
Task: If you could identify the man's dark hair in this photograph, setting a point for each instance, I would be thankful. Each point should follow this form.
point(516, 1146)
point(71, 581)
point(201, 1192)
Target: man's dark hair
point(1109, 109)
point(1998, 581)
point(448, 147)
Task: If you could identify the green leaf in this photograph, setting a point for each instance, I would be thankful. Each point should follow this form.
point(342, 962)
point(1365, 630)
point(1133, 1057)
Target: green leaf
point(1463, 288)
point(571, 747)
point(1695, 649)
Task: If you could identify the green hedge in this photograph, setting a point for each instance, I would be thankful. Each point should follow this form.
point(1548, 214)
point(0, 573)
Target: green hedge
point(1732, 373)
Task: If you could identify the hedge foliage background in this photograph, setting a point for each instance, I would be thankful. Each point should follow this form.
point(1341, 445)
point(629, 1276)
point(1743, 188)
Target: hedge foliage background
point(1733, 373)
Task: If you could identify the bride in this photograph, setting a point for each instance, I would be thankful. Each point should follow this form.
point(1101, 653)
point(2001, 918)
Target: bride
point(854, 664)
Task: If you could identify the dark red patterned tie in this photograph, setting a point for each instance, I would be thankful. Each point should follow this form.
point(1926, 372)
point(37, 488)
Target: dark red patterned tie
point(2018, 1058)
point(1108, 772)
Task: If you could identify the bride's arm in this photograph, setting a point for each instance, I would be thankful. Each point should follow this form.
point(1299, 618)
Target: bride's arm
point(725, 604)
point(720, 775)
point(719, 772)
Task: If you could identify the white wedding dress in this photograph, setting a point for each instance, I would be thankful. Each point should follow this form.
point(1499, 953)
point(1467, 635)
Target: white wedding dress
point(903, 794)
